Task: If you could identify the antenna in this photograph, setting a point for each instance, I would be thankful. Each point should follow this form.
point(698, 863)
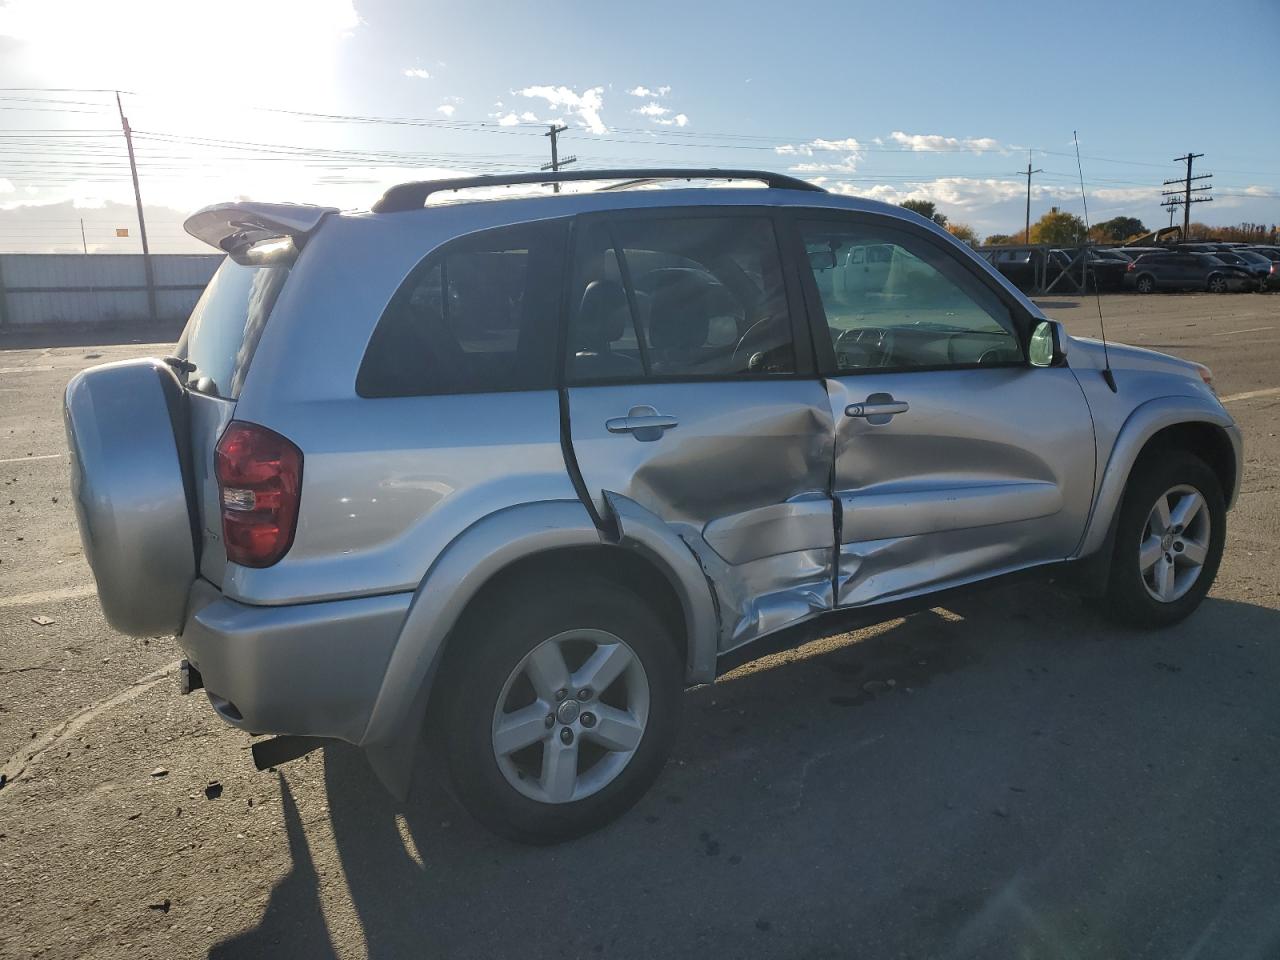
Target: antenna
point(1107, 375)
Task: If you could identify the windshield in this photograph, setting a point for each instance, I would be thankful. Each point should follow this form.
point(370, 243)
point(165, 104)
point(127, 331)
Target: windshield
point(227, 323)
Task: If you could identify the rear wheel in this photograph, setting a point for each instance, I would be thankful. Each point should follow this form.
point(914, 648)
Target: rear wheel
point(1169, 541)
point(1146, 284)
point(560, 709)
point(1217, 284)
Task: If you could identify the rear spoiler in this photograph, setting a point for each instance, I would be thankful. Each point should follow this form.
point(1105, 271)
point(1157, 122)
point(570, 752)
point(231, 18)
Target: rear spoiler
point(236, 227)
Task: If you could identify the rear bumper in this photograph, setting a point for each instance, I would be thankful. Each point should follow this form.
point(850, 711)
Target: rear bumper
point(310, 669)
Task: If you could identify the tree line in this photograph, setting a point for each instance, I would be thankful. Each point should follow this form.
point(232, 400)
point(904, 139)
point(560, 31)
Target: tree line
point(1061, 229)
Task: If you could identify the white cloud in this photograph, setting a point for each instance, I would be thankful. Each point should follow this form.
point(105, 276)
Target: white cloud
point(652, 109)
point(679, 120)
point(508, 120)
point(446, 108)
point(642, 91)
point(586, 106)
point(529, 117)
point(416, 73)
point(933, 142)
point(6, 186)
point(850, 147)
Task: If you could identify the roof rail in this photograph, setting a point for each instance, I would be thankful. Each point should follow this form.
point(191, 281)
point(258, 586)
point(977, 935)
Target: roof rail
point(412, 196)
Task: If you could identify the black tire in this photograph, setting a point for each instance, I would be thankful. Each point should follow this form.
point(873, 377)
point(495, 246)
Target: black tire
point(1128, 599)
point(1217, 284)
point(1146, 284)
point(486, 653)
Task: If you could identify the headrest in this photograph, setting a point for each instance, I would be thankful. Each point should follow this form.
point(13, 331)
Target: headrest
point(682, 309)
point(603, 313)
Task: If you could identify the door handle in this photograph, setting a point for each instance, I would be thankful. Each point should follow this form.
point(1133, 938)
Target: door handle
point(643, 423)
point(877, 408)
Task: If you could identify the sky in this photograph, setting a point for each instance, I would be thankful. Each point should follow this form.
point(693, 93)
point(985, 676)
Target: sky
point(331, 101)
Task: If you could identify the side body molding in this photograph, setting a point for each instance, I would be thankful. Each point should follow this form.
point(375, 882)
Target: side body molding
point(645, 532)
point(1143, 423)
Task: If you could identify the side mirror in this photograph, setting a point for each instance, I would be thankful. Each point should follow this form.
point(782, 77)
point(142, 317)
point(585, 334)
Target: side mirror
point(822, 259)
point(1048, 345)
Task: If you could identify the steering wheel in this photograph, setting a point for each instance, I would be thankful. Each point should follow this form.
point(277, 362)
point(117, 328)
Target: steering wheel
point(751, 330)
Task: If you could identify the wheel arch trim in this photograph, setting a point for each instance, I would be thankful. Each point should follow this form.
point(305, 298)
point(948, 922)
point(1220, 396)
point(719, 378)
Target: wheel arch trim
point(1147, 420)
point(478, 554)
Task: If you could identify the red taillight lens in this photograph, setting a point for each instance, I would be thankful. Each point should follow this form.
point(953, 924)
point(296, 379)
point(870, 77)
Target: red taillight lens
point(1131, 265)
point(260, 482)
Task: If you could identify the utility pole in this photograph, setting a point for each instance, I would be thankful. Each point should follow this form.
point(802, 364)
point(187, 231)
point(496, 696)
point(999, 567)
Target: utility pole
point(1027, 236)
point(142, 223)
point(1186, 199)
point(83, 242)
point(556, 163)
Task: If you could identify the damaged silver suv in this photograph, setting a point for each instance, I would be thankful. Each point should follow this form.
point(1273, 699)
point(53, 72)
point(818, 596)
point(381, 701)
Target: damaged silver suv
point(514, 473)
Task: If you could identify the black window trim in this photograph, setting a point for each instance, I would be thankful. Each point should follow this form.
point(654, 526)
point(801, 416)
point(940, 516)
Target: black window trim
point(1024, 323)
point(801, 333)
point(551, 326)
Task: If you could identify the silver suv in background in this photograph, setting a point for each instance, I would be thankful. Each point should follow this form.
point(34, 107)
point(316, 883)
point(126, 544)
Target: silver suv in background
point(520, 471)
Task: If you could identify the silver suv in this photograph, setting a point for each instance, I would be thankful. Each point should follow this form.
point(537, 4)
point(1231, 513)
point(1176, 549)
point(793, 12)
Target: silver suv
point(517, 472)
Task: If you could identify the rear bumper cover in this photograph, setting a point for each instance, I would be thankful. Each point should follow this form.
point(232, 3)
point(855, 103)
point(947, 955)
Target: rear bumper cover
point(309, 669)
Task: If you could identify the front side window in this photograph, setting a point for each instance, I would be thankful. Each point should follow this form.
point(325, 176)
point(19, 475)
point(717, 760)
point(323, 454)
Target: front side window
point(677, 297)
point(477, 316)
point(908, 305)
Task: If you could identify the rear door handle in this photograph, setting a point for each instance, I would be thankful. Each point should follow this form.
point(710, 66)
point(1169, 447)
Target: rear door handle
point(642, 422)
point(877, 408)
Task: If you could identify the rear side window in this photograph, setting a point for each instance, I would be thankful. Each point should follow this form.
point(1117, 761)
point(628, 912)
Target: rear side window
point(678, 297)
point(478, 315)
point(227, 323)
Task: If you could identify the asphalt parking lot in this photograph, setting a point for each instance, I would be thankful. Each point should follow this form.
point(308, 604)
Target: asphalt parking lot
point(1035, 784)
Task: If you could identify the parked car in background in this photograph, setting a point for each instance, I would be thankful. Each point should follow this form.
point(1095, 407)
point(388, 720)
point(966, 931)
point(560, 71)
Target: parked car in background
point(1187, 271)
point(1105, 267)
point(1272, 254)
point(1133, 253)
point(1261, 268)
point(744, 418)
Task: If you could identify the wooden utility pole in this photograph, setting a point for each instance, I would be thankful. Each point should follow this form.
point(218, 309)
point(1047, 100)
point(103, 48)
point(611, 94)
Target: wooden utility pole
point(1027, 236)
point(83, 242)
point(142, 223)
point(1186, 199)
point(556, 163)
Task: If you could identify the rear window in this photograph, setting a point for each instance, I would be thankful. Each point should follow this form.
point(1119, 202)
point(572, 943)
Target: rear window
point(479, 315)
point(227, 323)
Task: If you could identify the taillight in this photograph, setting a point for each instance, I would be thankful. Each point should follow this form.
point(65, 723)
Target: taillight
point(1132, 265)
point(260, 480)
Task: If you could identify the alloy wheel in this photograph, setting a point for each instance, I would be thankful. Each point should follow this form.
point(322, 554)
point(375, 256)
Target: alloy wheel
point(1174, 543)
point(570, 716)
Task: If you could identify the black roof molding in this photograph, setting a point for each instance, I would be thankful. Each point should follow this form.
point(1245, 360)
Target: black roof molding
point(413, 196)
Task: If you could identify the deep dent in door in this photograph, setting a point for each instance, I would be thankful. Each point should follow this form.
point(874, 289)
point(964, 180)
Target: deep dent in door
point(743, 481)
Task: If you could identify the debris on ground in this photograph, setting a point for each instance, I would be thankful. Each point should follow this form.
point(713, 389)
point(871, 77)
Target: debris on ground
point(213, 791)
point(43, 621)
point(162, 906)
point(160, 772)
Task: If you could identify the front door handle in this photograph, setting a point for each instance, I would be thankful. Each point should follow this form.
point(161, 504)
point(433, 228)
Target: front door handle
point(877, 409)
point(642, 422)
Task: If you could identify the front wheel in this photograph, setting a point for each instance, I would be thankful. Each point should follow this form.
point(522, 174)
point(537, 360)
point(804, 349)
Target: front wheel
point(1217, 284)
point(1146, 284)
point(1169, 541)
point(560, 708)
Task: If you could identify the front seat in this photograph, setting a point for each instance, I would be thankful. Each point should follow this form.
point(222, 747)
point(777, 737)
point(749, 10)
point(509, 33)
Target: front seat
point(603, 315)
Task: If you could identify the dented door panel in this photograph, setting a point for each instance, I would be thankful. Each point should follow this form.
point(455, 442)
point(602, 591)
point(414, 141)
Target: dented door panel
point(742, 477)
point(986, 471)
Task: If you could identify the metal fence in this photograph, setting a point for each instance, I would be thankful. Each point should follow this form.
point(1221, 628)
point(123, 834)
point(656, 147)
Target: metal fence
point(59, 288)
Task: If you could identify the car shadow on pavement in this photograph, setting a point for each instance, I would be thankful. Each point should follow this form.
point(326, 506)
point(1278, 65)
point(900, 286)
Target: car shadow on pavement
point(1075, 789)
